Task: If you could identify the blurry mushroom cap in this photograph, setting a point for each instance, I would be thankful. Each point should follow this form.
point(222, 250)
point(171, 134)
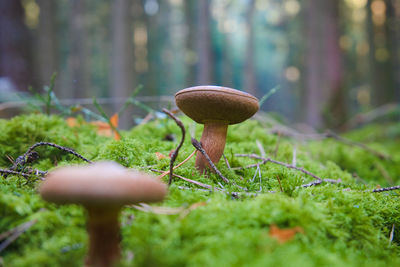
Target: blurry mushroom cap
point(215, 103)
point(101, 183)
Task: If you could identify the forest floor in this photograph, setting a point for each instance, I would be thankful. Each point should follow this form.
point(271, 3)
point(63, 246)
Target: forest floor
point(291, 199)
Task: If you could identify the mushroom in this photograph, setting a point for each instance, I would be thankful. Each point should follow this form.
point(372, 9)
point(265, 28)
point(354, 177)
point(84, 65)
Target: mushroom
point(102, 188)
point(216, 107)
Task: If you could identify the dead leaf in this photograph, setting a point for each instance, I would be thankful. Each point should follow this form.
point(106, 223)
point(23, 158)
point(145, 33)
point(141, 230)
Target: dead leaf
point(160, 156)
point(104, 129)
point(168, 210)
point(158, 210)
point(192, 207)
point(71, 122)
point(284, 235)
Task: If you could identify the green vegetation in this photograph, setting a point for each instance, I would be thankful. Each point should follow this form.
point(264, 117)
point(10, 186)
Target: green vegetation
point(343, 224)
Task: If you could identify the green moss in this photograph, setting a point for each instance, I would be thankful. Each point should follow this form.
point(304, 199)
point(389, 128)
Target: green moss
point(343, 224)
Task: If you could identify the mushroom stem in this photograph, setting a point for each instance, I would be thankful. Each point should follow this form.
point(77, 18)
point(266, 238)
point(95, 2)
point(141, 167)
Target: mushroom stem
point(104, 237)
point(213, 141)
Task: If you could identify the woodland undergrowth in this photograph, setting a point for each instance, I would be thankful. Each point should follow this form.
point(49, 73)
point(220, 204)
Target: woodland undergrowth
point(268, 214)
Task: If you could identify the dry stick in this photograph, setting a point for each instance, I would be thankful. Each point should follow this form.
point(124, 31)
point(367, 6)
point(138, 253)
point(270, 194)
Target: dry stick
point(353, 143)
point(386, 189)
point(200, 148)
point(187, 180)
point(176, 151)
point(66, 149)
point(177, 166)
point(384, 172)
point(233, 194)
point(279, 181)
point(16, 173)
point(332, 181)
point(391, 235)
point(329, 134)
point(15, 233)
point(294, 160)
point(277, 144)
point(265, 160)
point(226, 162)
point(261, 148)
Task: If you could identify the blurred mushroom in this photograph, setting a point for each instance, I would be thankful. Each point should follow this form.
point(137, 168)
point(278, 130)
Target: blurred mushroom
point(216, 107)
point(102, 188)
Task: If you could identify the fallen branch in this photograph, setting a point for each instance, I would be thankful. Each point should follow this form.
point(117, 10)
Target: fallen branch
point(26, 175)
point(318, 182)
point(176, 151)
point(13, 234)
point(384, 189)
point(177, 166)
point(26, 158)
point(233, 194)
point(328, 134)
point(200, 148)
point(265, 160)
point(187, 180)
point(372, 115)
point(380, 155)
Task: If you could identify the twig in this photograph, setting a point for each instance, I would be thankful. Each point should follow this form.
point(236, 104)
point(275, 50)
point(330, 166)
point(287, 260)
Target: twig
point(384, 172)
point(372, 115)
point(261, 148)
point(294, 160)
point(277, 144)
point(22, 160)
point(378, 190)
point(176, 151)
point(318, 182)
point(380, 155)
point(233, 194)
point(265, 160)
point(279, 181)
point(14, 234)
point(200, 148)
point(328, 134)
point(391, 235)
point(180, 164)
point(187, 180)
point(226, 162)
point(26, 175)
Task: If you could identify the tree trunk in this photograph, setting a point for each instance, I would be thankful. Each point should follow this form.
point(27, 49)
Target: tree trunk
point(204, 67)
point(324, 76)
point(381, 71)
point(249, 83)
point(190, 53)
point(122, 56)
point(79, 85)
point(46, 43)
point(393, 26)
point(14, 45)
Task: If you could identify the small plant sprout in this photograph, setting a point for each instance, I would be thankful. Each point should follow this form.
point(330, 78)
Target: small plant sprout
point(216, 107)
point(102, 188)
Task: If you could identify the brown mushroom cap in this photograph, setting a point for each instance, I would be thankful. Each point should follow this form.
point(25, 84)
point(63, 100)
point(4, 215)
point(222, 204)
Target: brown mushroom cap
point(215, 103)
point(101, 183)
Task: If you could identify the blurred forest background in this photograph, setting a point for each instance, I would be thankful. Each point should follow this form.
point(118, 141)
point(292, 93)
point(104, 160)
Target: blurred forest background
point(331, 59)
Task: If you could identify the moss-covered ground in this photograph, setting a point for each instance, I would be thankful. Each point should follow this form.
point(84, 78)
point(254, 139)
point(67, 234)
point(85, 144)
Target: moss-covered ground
point(342, 224)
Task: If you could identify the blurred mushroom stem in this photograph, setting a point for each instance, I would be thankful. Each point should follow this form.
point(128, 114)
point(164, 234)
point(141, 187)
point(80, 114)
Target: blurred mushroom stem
point(104, 233)
point(213, 141)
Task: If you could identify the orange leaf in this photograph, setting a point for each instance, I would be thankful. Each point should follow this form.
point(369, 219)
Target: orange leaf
point(104, 129)
point(160, 156)
point(284, 235)
point(114, 120)
point(71, 122)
